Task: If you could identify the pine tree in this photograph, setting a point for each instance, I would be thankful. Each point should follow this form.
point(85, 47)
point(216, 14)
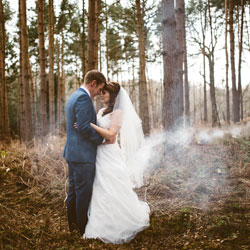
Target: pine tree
point(143, 93)
point(4, 123)
point(42, 61)
point(27, 127)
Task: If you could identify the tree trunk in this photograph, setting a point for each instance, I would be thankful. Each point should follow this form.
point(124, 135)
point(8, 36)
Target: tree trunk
point(107, 40)
point(33, 97)
point(42, 61)
point(97, 31)
point(227, 65)
point(187, 101)
point(210, 56)
point(194, 119)
point(25, 77)
point(169, 63)
point(62, 85)
point(83, 41)
point(59, 79)
point(20, 81)
point(236, 111)
point(4, 119)
point(143, 95)
point(51, 67)
point(91, 63)
point(180, 58)
point(240, 60)
point(203, 29)
point(212, 91)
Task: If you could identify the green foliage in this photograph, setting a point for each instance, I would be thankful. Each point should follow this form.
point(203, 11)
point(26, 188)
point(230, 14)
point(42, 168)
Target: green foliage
point(3, 153)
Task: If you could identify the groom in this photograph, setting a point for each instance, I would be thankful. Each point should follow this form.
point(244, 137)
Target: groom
point(80, 148)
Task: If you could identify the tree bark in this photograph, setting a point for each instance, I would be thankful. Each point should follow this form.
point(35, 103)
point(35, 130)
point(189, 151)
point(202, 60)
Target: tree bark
point(143, 95)
point(107, 41)
point(83, 42)
point(33, 98)
point(97, 31)
point(203, 29)
point(20, 81)
point(62, 84)
point(212, 91)
point(42, 62)
point(210, 56)
point(240, 60)
point(169, 63)
point(227, 65)
point(186, 83)
point(91, 63)
point(25, 77)
point(235, 99)
point(59, 79)
point(51, 67)
point(194, 112)
point(180, 58)
point(4, 123)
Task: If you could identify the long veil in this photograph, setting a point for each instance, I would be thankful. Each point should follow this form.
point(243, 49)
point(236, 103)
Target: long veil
point(131, 135)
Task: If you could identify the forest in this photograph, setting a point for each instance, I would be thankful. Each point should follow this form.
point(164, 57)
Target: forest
point(185, 65)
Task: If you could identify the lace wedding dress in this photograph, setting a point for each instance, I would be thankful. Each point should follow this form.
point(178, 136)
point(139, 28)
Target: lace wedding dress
point(116, 214)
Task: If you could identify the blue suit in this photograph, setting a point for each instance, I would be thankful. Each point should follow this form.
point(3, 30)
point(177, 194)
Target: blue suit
point(80, 154)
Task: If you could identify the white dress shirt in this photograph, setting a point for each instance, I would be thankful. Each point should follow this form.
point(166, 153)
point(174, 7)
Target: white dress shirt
point(86, 90)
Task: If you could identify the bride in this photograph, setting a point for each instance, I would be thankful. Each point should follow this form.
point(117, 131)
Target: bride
point(116, 214)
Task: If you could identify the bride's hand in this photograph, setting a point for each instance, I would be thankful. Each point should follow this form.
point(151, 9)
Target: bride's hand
point(109, 141)
point(75, 125)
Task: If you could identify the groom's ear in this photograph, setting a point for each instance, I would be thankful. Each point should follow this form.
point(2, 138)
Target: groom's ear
point(93, 83)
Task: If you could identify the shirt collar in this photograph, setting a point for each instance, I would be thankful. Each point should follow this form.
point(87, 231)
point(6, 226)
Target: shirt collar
point(86, 90)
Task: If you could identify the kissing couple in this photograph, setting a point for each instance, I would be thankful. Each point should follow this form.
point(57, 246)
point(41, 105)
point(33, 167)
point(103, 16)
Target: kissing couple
point(101, 202)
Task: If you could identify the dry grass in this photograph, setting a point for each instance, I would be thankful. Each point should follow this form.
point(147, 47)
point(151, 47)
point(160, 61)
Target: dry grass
point(199, 197)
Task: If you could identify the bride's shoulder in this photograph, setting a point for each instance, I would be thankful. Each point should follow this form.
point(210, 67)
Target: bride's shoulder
point(100, 112)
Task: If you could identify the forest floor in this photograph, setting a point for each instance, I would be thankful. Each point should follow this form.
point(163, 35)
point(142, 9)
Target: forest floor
point(199, 195)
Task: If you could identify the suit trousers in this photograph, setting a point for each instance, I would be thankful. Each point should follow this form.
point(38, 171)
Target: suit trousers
point(80, 178)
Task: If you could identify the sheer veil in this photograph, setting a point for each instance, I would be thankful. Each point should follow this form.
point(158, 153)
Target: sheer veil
point(131, 134)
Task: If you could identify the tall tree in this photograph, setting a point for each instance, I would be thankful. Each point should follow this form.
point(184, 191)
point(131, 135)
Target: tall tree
point(83, 40)
point(236, 111)
point(42, 61)
point(186, 83)
point(240, 59)
point(143, 96)
point(91, 63)
point(51, 66)
point(4, 123)
point(25, 77)
point(227, 65)
point(169, 63)
point(180, 29)
point(203, 30)
point(97, 31)
point(211, 62)
point(107, 39)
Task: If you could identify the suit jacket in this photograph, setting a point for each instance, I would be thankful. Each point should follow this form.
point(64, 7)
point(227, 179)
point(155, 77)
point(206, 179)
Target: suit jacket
point(81, 143)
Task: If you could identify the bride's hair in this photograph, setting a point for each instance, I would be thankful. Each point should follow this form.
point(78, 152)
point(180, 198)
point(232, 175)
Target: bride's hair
point(113, 88)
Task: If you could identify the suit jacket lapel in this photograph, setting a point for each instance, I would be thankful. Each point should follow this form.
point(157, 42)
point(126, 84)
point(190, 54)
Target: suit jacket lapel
point(81, 89)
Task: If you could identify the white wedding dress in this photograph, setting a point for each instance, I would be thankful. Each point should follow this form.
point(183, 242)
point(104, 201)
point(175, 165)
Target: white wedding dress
point(116, 214)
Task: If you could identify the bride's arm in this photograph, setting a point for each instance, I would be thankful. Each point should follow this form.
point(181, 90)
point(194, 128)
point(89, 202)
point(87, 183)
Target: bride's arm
point(108, 134)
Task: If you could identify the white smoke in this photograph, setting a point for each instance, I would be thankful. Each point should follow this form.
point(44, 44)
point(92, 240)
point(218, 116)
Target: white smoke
point(192, 162)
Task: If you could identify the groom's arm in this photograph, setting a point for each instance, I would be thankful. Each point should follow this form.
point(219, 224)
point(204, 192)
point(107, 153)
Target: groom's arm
point(83, 108)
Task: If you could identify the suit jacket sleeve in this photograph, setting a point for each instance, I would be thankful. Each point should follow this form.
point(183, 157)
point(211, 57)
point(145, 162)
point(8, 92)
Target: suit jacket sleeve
point(83, 109)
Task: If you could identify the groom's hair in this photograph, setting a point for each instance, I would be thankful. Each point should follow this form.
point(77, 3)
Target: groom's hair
point(94, 75)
